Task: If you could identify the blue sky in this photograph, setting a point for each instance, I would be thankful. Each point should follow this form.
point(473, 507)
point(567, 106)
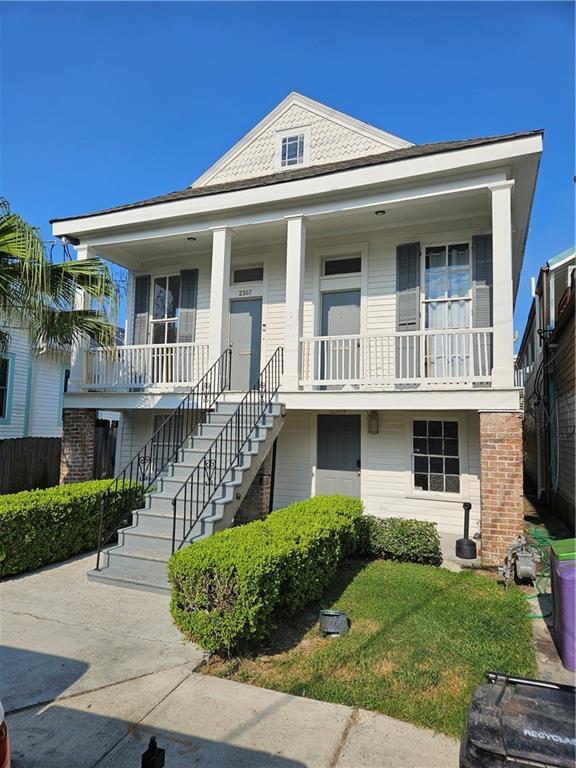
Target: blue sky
point(106, 103)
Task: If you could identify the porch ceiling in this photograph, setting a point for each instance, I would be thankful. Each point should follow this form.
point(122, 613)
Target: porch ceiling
point(137, 253)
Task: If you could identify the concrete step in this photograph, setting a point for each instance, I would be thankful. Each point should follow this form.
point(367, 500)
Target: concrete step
point(135, 539)
point(139, 559)
point(114, 577)
point(139, 564)
point(226, 407)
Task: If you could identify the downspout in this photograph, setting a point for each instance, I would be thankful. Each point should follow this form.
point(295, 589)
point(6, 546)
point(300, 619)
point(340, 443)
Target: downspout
point(545, 319)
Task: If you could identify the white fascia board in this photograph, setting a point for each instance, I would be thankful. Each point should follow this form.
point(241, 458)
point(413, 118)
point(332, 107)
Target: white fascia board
point(296, 99)
point(324, 207)
point(565, 260)
point(332, 183)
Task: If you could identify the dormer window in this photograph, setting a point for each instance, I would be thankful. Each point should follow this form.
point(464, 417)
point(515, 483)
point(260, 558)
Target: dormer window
point(293, 150)
point(293, 147)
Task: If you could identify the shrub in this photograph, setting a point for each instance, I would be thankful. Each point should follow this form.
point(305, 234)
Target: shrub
point(394, 538)
point(40, 527)
point(230, 588)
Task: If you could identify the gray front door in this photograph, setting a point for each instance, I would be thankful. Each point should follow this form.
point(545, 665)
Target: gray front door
point(338, 459)
point(245, 335)
point(340, 359)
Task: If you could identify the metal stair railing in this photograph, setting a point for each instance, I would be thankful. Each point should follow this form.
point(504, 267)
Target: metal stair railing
point(163, 447)
point(225, 452)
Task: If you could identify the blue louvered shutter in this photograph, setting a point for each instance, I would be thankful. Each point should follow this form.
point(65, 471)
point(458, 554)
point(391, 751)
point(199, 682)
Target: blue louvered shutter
point(141, 324)
point(188, 303)
point(482, 301)
point(408, 309)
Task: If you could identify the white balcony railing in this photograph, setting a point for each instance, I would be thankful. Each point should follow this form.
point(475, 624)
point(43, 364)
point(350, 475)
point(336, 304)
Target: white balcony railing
point(146, 365)
point(434, 358)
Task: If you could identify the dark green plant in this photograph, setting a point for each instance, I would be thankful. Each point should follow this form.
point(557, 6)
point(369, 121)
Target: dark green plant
point(395, 538)
point(47, 526)
point(231, 588)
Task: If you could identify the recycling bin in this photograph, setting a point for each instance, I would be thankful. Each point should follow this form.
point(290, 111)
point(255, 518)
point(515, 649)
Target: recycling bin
point(563, 577)
point(515, 722)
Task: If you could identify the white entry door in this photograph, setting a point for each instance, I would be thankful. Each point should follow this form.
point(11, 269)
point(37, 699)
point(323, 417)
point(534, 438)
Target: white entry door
point(338, 461)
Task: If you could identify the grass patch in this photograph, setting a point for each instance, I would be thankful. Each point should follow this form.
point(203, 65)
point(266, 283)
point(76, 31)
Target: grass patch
point(420, 641)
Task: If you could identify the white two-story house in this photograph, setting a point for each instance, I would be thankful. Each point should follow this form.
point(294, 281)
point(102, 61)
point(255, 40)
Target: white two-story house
point(378, 276)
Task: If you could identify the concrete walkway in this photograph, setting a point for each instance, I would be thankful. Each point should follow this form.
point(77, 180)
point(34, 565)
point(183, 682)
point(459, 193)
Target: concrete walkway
point(90, 672)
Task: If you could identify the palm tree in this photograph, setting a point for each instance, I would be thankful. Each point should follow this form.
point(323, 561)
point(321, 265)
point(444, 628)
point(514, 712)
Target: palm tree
point(39, 295)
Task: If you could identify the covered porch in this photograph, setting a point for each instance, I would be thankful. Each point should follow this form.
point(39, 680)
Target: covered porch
point(279, 278)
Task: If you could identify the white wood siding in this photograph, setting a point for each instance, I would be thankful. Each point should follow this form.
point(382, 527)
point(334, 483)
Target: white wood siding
point(37, 383)
point(387, 472)
point(20, 349)
point(386, 478)
point(294, 460)
point(46, 395)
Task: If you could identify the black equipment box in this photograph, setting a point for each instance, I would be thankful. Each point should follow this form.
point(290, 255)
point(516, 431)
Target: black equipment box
point(513, 723)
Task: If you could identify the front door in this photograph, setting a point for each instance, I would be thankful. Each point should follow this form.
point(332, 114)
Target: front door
point(338, 459)
point(245, 335)
point(340, 358)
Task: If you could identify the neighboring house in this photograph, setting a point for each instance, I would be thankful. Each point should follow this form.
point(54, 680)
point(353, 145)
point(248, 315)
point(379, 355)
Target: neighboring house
point(32, 385)
point(387, 273)
point(545, 365)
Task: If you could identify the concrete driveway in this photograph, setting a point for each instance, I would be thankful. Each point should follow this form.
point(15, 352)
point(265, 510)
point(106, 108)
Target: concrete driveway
point(89, 672)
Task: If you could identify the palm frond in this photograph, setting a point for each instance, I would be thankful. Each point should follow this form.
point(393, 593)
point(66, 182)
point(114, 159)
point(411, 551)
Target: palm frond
point(42, 294)
point(54, 327)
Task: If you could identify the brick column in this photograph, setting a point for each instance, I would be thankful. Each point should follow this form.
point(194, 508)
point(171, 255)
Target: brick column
point(256, 504)
point(78, 433)
point(501, 486)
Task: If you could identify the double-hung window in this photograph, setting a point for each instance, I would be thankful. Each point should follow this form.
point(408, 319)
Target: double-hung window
point(165, 309)
point(436, 456)
point(447, 306)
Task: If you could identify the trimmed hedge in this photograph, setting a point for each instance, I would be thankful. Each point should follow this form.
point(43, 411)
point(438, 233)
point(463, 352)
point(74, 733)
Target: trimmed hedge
point(230, 588)
point(394, 538)
point(41, 527)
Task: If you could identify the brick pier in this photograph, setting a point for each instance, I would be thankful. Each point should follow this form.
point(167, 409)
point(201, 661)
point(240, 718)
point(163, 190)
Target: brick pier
point(78, 434)
point(501, 486)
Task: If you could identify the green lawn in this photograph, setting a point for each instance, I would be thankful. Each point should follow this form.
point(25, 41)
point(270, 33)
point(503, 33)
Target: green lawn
point(420, 641)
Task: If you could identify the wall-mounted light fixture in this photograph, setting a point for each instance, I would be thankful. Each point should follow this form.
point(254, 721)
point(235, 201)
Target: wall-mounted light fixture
point(379, 213)
point(373, 428)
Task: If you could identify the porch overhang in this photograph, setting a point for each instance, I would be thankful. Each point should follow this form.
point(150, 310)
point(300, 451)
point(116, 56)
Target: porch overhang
point(505, 400)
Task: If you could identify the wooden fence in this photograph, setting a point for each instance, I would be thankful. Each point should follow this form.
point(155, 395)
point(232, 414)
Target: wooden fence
point(104, 448)
point(29, 462)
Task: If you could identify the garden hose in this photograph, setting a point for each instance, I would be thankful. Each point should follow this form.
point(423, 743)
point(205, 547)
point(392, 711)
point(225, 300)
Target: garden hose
point(542, 544)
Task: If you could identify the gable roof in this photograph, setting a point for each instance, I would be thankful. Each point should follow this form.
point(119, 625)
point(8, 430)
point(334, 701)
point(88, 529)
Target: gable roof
point(390, 156)
point(297, 100)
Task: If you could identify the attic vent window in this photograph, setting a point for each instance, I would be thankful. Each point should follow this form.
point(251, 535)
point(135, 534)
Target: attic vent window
point(292, 150)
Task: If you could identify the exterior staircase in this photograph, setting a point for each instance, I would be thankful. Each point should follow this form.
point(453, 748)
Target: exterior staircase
point(199, 492)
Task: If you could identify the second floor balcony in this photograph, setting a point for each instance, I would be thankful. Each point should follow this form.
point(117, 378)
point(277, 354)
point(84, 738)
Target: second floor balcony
point(420, 359)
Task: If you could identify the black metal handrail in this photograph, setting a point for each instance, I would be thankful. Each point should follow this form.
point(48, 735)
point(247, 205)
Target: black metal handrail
point(225, 452)
point(163, 447)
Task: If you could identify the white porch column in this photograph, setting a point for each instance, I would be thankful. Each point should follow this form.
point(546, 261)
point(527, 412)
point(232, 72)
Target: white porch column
point(503, 295)
point(80, 346)
point(219, 291)
point(295, 260)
